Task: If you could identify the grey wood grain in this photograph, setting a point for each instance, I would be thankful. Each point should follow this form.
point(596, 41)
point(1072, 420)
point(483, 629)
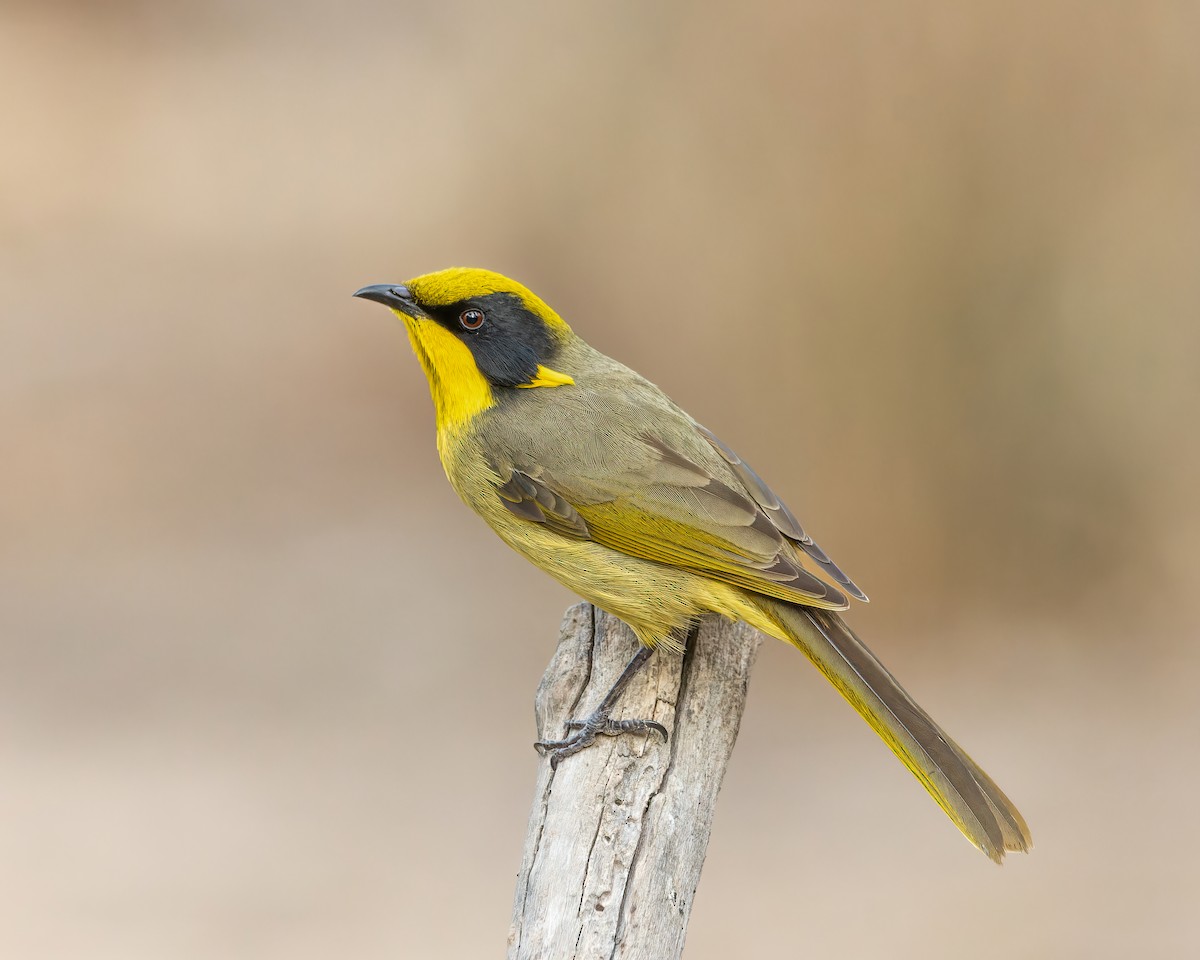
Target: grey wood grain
point(618, 833)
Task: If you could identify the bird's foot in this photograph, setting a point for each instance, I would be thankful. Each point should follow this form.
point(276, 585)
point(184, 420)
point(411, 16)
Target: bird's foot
point(586, 731)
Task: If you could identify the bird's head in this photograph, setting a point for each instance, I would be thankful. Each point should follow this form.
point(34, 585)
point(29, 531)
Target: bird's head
point(477, 334)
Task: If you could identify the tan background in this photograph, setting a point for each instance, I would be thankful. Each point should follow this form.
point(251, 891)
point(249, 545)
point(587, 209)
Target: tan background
point(265, 686)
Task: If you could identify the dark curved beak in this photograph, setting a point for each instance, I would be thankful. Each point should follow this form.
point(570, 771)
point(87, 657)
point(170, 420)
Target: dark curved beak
point(394, 295)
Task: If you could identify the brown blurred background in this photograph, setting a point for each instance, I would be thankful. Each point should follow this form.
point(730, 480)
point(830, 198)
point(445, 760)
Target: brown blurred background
point(931, 267)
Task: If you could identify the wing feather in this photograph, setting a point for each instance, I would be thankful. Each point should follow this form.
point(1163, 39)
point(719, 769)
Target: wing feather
point(783, 518)
point(700, 508)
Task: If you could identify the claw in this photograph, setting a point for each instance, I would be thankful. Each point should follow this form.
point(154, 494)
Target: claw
point(586, 731)
point(598, 722)
point(613, 727)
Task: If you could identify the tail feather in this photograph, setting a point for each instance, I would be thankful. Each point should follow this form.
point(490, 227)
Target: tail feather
point(968, 795)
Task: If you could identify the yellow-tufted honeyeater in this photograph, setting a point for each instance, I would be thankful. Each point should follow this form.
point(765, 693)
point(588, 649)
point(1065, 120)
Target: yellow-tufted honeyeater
point(594, 475)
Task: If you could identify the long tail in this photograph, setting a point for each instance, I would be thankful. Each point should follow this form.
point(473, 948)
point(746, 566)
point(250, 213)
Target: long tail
point(968, 795)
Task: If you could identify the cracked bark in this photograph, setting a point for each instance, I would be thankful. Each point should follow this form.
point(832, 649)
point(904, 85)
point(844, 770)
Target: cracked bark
point(617, 835)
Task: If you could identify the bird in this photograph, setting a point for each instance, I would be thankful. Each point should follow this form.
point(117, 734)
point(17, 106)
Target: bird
point(594, 475)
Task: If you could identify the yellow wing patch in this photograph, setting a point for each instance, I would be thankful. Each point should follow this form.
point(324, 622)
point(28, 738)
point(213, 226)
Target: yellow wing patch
point(622, 526)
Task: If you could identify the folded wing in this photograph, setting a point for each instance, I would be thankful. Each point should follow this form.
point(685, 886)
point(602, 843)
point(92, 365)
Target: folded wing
point(690, 502)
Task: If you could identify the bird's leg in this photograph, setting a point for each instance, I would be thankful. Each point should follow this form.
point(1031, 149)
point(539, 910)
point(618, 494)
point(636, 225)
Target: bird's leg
point(599, 722)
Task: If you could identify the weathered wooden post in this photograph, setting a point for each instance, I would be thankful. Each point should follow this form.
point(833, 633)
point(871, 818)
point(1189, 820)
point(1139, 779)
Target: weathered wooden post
point(618, 833)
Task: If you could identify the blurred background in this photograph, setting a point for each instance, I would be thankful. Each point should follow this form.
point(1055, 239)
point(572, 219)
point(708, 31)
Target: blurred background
point(930, 267)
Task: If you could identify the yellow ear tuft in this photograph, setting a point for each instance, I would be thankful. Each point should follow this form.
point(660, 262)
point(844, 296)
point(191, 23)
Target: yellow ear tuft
point(548, 378)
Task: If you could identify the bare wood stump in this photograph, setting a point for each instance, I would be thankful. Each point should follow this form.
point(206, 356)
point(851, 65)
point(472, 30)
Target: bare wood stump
point(617, 835)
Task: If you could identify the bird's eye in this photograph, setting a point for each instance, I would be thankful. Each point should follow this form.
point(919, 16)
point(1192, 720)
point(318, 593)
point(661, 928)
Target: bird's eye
point(471, 319)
